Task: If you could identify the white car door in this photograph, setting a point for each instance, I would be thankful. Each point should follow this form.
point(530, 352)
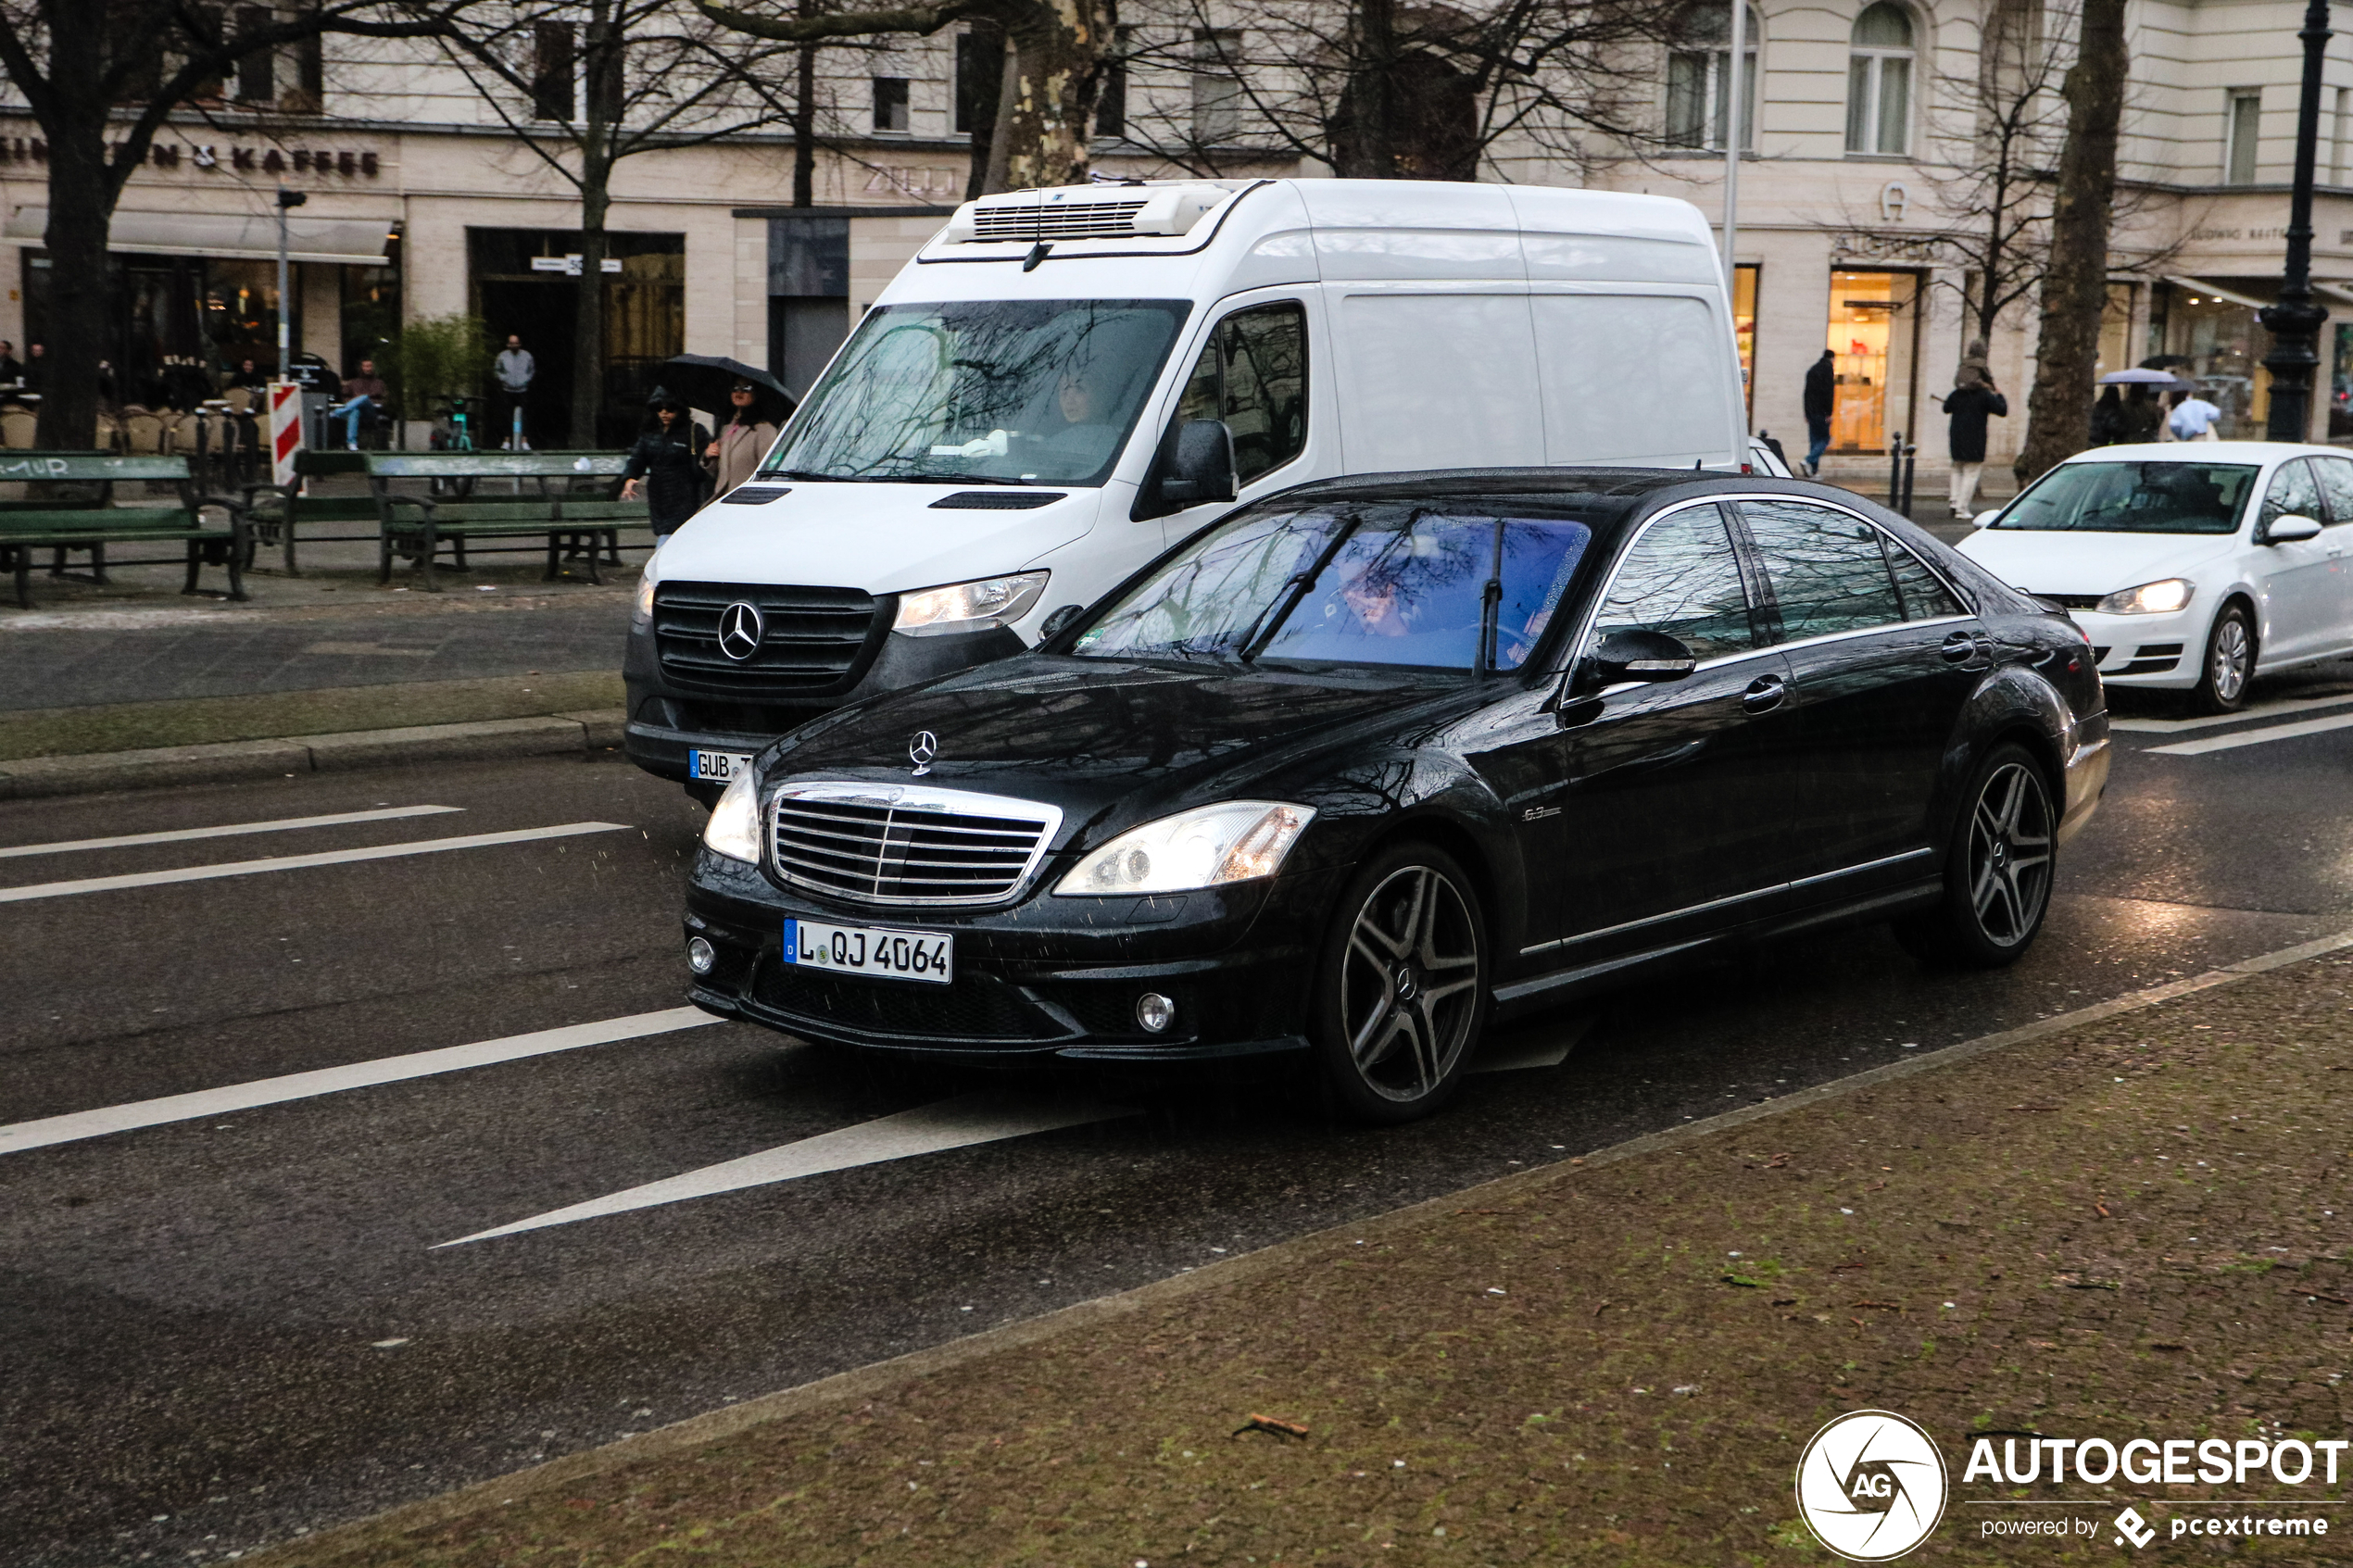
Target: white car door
point(2337, 489)
point(2299, 586)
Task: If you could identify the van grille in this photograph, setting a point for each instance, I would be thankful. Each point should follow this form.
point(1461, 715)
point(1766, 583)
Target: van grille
point(940, 846)
point(812, 641)
point(1035, 220)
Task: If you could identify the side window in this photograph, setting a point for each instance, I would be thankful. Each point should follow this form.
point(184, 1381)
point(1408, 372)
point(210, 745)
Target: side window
point(1253, 375)
point(1924, 594)
point(1681, 577)
point(1826, 569)
point(2337, 483)
point(2293, 493)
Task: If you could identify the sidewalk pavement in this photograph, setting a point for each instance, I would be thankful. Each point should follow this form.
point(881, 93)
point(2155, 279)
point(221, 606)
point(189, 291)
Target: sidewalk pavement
point(2124, 1223)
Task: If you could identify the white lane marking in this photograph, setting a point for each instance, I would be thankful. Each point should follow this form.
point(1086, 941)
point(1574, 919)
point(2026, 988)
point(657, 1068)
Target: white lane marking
point(958, 1123)
point(82, 1124)
point(296, 863)
point(2253, 710)
point(175, 836)
point(2253, 738)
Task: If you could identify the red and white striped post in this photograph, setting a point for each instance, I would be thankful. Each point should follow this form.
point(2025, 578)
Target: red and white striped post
point(285, 430)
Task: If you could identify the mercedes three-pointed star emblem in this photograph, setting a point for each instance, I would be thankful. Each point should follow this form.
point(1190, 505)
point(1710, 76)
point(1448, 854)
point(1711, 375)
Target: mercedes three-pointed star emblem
point(921, 750)
point(740, 630)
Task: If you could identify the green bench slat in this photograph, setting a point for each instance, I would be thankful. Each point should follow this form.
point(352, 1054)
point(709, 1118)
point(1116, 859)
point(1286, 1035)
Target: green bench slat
point(494, 465)
point(39, 467)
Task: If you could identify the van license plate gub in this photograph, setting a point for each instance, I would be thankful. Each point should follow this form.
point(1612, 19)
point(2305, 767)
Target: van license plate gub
point(929, 955)
point(718, 766)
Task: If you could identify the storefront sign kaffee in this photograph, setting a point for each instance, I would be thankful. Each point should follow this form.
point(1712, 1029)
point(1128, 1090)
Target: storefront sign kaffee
point(358, 163)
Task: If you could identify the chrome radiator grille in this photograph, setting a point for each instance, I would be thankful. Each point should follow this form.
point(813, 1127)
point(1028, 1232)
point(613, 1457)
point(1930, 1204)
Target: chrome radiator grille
point(887, 843)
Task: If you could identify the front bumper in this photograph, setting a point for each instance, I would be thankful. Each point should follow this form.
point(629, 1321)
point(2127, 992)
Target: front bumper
point(668, 718)
point(2162, 651)
point(1044, 979)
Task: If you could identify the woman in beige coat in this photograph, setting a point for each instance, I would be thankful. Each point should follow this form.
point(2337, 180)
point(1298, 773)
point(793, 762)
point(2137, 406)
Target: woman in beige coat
point(743, 441)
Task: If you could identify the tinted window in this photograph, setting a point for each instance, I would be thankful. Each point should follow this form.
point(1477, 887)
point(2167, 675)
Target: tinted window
point(2336, 485)
point(1924, 594)
point(1253, 375)
point(2293, 493)
point(1386, 583)
point(2099, 497)
point(1826, 569)
point(1682, 578)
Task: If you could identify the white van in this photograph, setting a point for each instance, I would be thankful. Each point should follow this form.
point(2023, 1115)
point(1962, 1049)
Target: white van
point(1063, 382)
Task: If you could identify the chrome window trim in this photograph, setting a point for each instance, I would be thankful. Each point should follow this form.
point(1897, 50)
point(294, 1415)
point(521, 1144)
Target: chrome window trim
point(1582, 644)
point(1880, 630)
point(919, 798)
point(1814, 881)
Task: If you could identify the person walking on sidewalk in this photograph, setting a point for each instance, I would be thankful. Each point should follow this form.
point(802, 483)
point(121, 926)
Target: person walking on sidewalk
point(743, 439)
point(1974, 399)
point(1821, 401)
point(666, 463)
point(2144, 417)
point(2194, 419)
point(514, 367)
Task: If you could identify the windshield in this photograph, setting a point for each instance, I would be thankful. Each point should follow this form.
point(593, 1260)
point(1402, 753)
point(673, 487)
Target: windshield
point(2095, 498)
point(1389, 585)
point(1028, 391)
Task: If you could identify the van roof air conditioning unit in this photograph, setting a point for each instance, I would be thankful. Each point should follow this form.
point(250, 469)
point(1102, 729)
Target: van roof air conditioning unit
point(1083, 212)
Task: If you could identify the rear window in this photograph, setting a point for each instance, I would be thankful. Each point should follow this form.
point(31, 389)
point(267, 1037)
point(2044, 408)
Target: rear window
point(2148, 497)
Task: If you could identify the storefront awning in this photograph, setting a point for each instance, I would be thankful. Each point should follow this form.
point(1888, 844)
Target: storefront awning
point(2199, 285)
point(358, 241)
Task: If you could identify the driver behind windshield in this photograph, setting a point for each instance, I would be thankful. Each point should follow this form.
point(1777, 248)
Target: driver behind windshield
point(1087, 437)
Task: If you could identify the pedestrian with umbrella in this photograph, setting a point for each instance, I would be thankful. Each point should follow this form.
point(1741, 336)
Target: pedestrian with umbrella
point(743, 441)
point(2142, 416)
point(752, 405)
point(666, 465)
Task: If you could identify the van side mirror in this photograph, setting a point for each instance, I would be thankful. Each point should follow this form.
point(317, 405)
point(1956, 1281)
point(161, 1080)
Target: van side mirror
point(1057, 624)
point(2289, 529)
point(1199, 465)
point(1637, 655)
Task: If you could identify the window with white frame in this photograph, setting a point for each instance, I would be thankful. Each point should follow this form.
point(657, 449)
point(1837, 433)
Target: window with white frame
point(1879, 82)
point(1699, 77)
point(2240, 133)
point(1218, 91)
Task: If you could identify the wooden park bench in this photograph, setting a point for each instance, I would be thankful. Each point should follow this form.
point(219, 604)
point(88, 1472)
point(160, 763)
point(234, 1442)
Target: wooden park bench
point(276, 513)
point(72, 506)
point(471, 497)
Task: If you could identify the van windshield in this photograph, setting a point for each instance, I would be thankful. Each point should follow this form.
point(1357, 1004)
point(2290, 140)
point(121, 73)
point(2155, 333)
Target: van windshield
point(1023, 392)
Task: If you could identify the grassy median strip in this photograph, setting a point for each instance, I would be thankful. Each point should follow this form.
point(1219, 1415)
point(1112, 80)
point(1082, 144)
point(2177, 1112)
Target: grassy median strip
point(2137, 1228)
point(133, 726)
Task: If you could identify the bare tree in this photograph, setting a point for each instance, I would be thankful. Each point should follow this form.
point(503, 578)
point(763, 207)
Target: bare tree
point(584, 84)
point(103, 79)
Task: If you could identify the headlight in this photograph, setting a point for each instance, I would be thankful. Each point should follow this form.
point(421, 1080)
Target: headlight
point(2149, 598)
point(969, 606)
point(733, 828)
point(645, 598)
point(1235, 841)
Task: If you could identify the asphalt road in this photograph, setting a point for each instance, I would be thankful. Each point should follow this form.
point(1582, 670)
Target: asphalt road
point(237, 1323)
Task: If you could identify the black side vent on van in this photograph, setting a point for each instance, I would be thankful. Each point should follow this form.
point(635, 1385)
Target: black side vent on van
point(753, 494)
point(997, 500)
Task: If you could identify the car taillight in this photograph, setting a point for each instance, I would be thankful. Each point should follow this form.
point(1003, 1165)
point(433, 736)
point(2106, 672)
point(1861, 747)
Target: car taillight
point(1748, 468)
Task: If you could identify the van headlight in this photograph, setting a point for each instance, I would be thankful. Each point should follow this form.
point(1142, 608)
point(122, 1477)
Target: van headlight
point(969, 606)
point(1234, 841)
point(733, 828)
point(2149, 598)
point(645, 610)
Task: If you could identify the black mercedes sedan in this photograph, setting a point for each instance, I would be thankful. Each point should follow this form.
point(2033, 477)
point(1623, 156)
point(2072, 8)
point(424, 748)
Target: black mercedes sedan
point(1361, 767)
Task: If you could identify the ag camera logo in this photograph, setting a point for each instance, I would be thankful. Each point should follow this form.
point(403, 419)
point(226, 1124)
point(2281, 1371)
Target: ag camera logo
point(1871, 1486)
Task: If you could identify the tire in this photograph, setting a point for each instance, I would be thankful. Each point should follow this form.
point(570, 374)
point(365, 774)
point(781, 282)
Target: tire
point(1400, 993)
point(1997, 871)
point(2229, 662)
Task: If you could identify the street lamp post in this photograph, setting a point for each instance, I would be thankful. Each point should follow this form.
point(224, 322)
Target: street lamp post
point(2295, 322)
point(288, 199)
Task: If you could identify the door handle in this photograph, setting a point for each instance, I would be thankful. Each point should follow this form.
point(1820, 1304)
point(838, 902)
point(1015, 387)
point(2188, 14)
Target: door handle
point(1764, 694)
point(1959, 649)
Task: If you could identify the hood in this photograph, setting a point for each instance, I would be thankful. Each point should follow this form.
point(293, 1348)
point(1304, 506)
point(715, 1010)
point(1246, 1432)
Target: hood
point(2065, 561)
point(1085, 734)
point(883, 538)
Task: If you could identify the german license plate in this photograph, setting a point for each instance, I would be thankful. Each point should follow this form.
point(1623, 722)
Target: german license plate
point(719, 767)
point(864, 949)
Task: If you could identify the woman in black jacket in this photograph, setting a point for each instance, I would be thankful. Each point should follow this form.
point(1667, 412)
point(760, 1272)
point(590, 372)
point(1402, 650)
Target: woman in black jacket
point(668, 461)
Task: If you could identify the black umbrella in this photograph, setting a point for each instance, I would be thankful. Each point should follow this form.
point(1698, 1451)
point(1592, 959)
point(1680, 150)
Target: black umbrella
point(703, 380)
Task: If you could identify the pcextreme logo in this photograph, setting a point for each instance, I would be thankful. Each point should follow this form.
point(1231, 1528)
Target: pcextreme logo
point(1871, 1486)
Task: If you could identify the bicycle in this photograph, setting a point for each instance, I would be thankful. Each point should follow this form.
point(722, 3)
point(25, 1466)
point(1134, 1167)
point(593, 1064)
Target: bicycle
point(453, 433)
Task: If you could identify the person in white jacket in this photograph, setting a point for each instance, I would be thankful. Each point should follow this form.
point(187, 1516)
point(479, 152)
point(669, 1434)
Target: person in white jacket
point(514, 367)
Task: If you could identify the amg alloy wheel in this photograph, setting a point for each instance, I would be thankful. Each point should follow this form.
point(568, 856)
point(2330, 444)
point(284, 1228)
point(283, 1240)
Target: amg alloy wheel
point(1402, 998)
point(1997, 872)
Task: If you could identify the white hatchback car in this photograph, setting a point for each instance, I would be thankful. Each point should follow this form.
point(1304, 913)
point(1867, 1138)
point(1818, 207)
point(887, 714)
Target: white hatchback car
point(2189, 565)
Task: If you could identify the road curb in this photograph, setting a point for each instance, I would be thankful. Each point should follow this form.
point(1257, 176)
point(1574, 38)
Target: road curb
point(228, 761)
point(880, 1376)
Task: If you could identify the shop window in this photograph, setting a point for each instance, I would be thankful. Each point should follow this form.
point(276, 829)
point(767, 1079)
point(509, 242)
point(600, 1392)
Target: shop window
point(1699, 77)
point(555, 59)
point(1874, 333)
point(257, 72)
point(1745, 281)
point(1879, 82)
point(2242, 134)
point(890, 105)
point(1217, 92)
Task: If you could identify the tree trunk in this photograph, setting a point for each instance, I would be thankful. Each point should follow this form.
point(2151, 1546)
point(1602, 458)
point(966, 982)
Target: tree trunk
point(82, 196)
point(589, 323)
point(1363, 133)
point(804, 127)
point(2075, 286)
point(1047, 110)
point(988, 95)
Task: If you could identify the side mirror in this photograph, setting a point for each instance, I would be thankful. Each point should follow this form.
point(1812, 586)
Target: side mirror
point(1199, 464)
point(1057, 624)
point(2289, 529)
point(1985, 519)
point(1642, 656)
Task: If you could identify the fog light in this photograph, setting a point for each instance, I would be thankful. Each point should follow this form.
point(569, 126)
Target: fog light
point(1155, 1012)
point(700, 955)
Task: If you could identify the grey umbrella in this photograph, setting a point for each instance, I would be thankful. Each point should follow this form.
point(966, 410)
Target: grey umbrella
point(2144, 378)
point(705, 380)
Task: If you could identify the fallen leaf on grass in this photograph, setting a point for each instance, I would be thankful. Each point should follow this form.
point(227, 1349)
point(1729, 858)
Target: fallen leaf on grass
point(1600, 1309)
point(2103, 1211)
point(1785, 1301)
point(1880, 1306)
point(1274, 1426)
point(2322, 1295)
